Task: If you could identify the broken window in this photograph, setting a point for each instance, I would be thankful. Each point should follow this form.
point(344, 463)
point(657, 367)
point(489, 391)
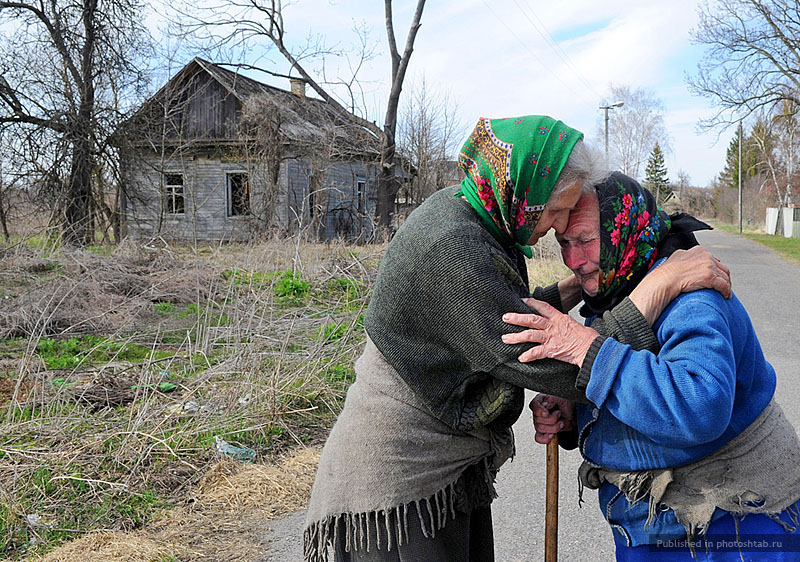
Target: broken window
point(173, 194)
point(361, 188)
point(312, 199)
point(238, 195)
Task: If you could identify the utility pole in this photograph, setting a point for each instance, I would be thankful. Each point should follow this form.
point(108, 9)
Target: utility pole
point(740, 176)
point(606, 108)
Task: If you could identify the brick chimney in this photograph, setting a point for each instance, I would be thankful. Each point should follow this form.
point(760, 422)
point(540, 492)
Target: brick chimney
point(298, 87)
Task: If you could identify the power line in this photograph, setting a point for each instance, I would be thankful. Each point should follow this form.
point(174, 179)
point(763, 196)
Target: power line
point(542, 30)
point(524, 44)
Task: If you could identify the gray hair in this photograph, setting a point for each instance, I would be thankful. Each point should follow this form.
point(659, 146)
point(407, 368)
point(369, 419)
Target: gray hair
point(585, 164)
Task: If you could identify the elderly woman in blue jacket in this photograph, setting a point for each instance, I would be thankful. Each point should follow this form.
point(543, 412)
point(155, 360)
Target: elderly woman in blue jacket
point(684, 441)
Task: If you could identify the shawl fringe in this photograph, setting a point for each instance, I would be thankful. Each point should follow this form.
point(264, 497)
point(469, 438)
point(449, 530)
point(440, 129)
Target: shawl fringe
point(390, 525)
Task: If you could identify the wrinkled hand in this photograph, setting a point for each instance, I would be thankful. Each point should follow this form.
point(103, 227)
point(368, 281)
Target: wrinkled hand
point(697, 268)
point(551, 414)
point(560, 336)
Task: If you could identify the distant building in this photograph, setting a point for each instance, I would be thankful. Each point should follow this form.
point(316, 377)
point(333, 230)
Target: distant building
point(214, 155)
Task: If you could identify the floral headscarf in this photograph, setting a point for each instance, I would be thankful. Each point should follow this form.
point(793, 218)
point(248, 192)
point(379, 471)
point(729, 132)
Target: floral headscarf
point(634, 232)
point(512, 166)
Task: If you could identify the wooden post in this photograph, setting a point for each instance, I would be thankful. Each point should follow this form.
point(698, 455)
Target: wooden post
point(551, 503)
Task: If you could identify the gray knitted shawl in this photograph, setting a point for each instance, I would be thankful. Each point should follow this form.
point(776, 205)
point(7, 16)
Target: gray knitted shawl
point(435, 315)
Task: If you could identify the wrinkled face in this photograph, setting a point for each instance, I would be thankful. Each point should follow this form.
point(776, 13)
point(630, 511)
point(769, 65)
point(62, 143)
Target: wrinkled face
point(580, 243)
point(556, 212)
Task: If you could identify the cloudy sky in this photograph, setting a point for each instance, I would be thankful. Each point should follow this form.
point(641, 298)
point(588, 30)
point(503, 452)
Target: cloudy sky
point(500, 58)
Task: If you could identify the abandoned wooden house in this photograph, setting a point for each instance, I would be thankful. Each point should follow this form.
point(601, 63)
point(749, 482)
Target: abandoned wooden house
point(214, 155)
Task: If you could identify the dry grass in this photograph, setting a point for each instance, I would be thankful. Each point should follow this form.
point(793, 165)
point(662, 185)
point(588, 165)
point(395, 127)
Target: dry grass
point(275, 490)
point(546, 266)
point(259, 341)
point(223, 520)
point(79, 292)
point(117, 546)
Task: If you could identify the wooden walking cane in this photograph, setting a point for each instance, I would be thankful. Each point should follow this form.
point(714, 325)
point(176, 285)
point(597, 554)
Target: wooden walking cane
point(551, 503)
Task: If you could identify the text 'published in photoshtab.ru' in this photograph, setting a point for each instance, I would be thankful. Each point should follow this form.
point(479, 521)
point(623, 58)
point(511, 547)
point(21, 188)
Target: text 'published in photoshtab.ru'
point(731, 543)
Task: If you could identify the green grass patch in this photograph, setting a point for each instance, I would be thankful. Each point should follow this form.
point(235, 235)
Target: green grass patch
point(191, 309)
point(260, 438)
point(788, 248)
point(135, 509)
point(12, 347)
point(333, 331)
point(732, 228)
point(105, 250)
point(350, 293)
point(350, 288)
point(253, 279)
point(215, 317)
point(42, 241)
point(165, 308)
point(12, 529)
point(70, 353)
point(340, 373)
point(173, 337)
point(115, 508)
point(287, 285)
point(46, 495)
point(290, 288)
point(22, 414)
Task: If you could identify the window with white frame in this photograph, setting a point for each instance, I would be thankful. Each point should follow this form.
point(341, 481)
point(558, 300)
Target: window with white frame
point(238, 194)
point(173, 194)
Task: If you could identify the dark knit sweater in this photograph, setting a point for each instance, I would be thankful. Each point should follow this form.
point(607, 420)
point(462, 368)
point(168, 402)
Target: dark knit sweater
point(436, 316)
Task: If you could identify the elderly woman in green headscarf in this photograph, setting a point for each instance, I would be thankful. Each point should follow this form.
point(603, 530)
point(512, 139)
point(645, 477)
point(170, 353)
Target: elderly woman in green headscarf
point(407, 472)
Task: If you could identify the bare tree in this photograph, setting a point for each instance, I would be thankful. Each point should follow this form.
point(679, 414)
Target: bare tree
point(3, 190)
point(34, 165)
point(750, 68)
point(698, 201)
point(428, 135)
point(262, 122)
point(66, 69)
point(751, 57)
point(235, 22)
point(775, 154)
point(633, 129)
point(683, 183)
point(787, 136)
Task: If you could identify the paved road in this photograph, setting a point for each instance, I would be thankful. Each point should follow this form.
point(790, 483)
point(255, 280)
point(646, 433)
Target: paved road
point(769, 288)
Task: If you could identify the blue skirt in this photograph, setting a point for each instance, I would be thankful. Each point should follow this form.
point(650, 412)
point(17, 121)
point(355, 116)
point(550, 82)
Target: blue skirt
point(758, 538)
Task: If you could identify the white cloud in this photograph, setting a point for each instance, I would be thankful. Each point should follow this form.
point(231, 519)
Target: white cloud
point(495, 59)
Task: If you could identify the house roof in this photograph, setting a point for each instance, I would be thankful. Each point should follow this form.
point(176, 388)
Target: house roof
point(303, 119)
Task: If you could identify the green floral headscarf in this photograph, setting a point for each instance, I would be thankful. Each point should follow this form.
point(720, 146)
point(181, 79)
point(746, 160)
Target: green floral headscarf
point(512, 166)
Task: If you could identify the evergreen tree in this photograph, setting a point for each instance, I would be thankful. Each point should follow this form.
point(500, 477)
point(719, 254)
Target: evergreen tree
point(656, 179)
